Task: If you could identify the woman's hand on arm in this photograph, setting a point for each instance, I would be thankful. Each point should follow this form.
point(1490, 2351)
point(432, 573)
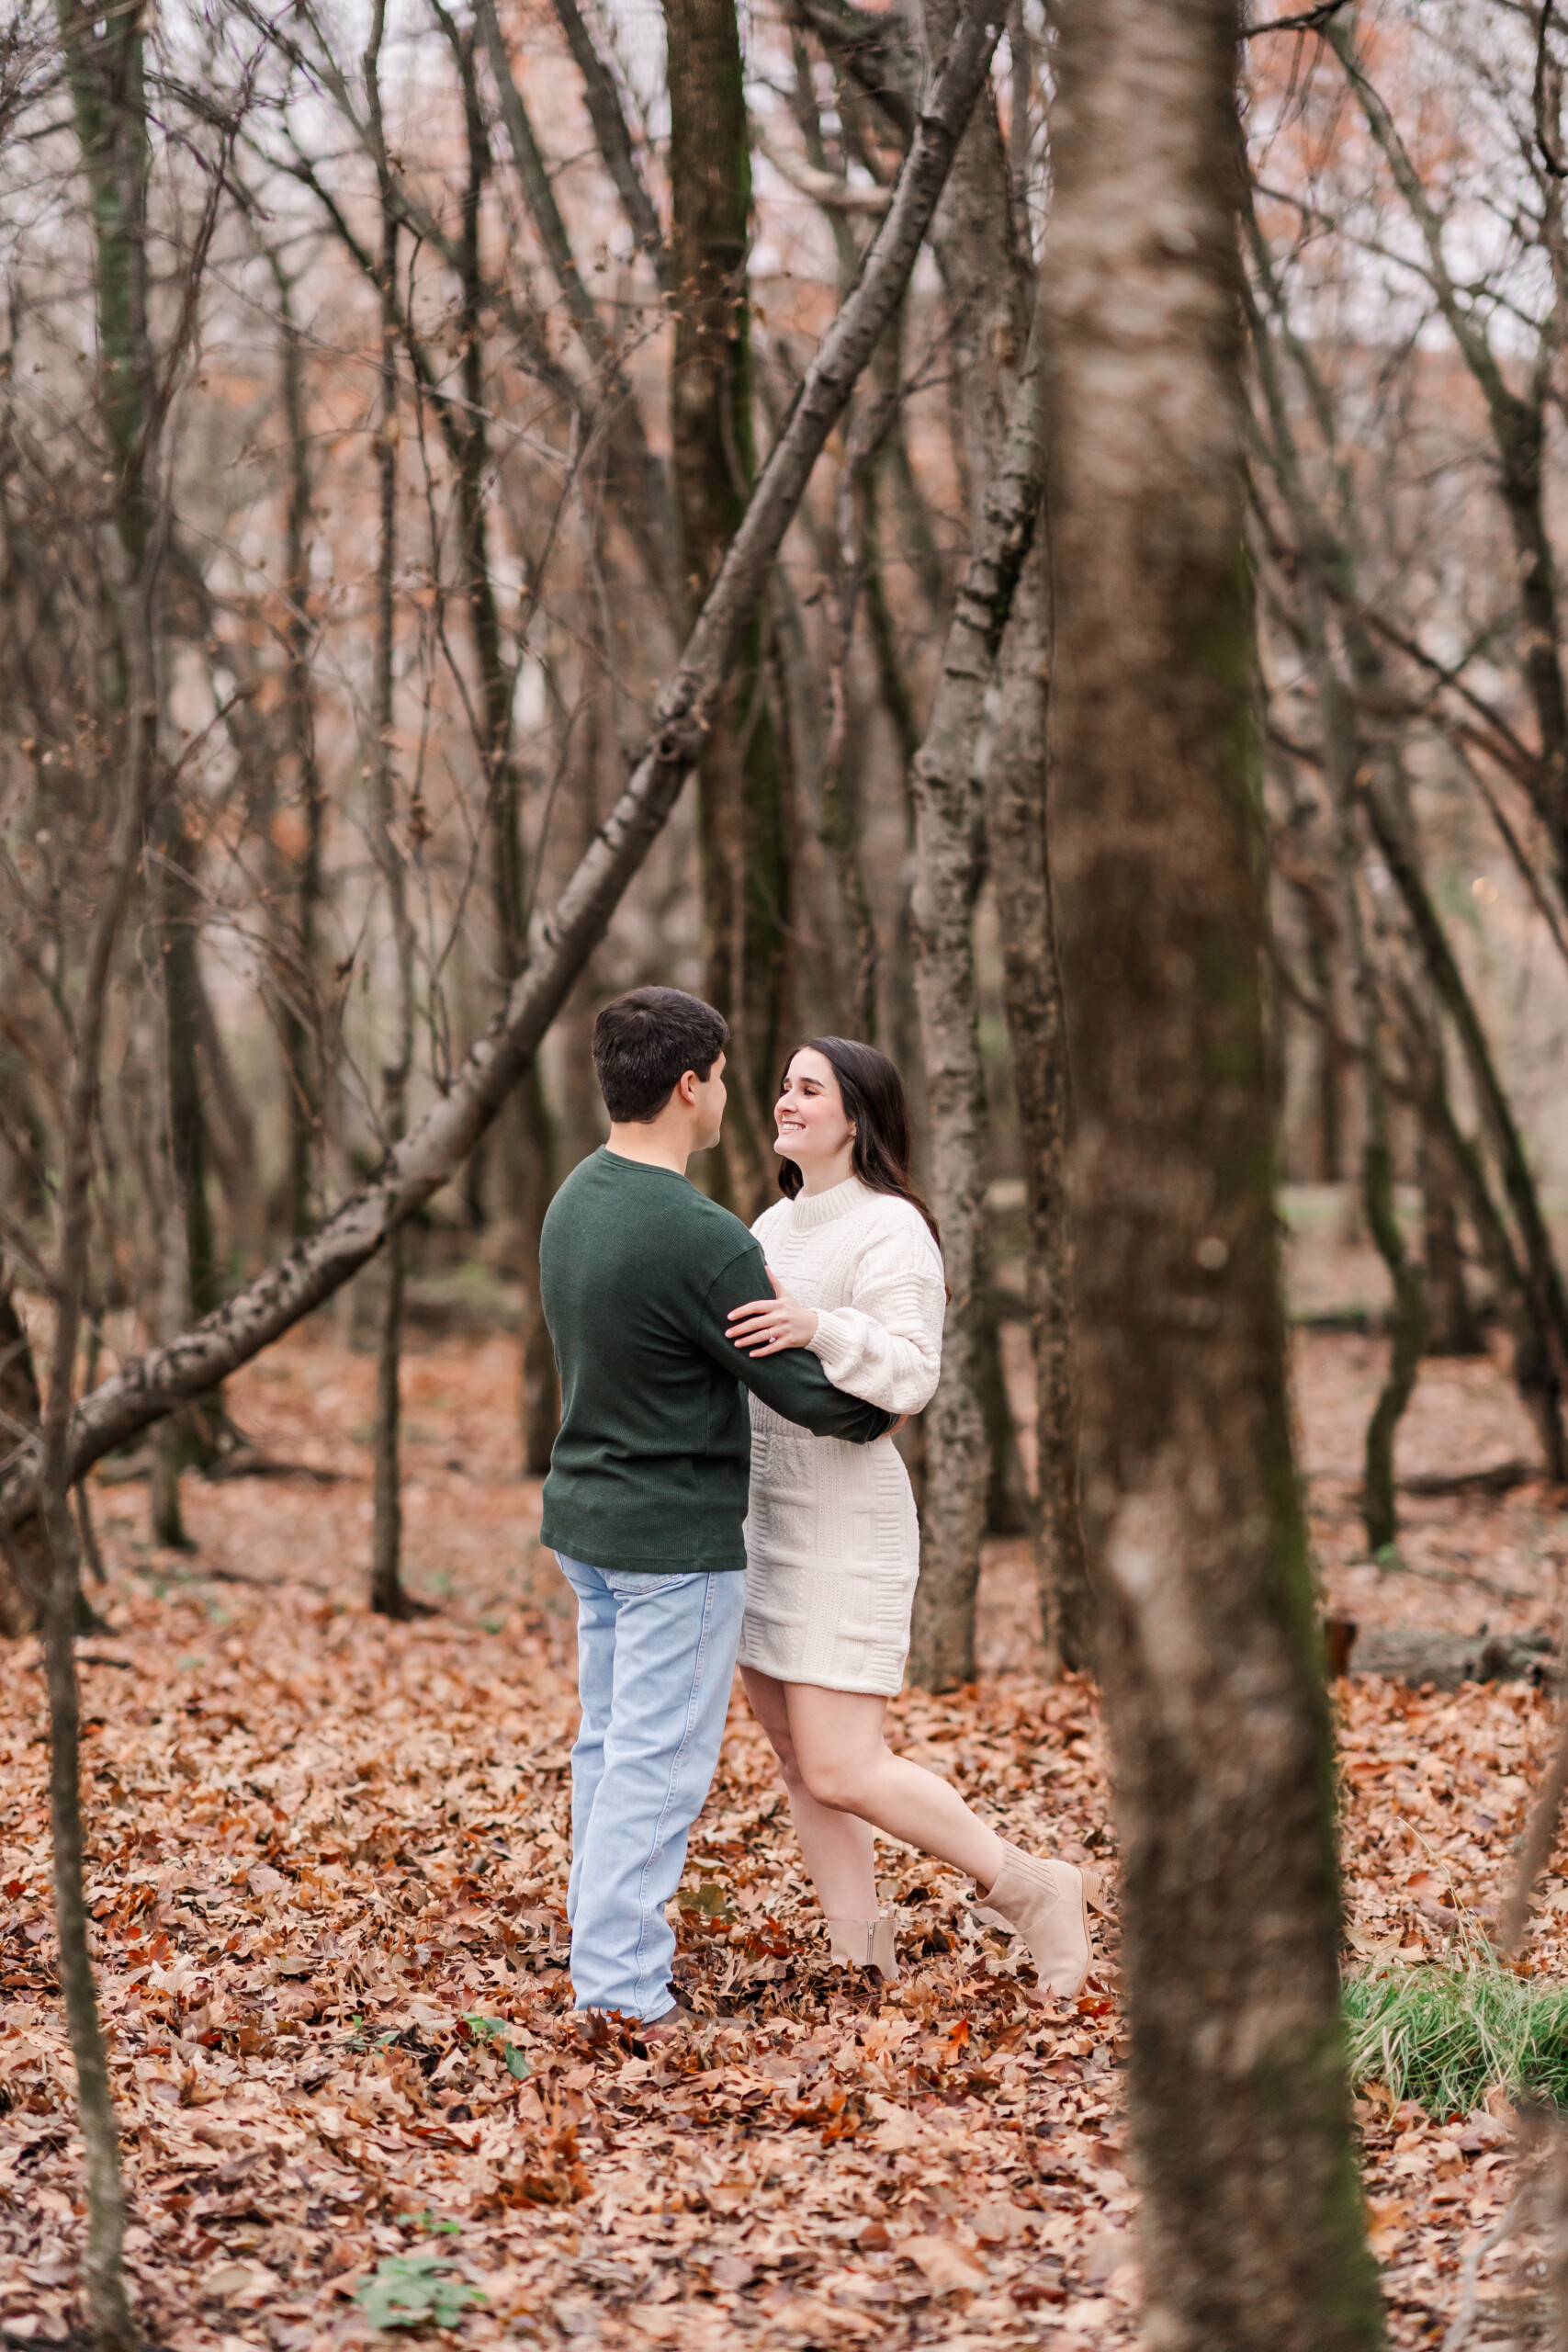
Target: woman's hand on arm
point(763, 1326)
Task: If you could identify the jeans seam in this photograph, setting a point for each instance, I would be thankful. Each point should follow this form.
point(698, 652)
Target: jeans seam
point(677, 1759)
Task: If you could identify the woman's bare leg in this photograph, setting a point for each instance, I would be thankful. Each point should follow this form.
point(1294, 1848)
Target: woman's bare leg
point(846, 1768)
point(839, 1849)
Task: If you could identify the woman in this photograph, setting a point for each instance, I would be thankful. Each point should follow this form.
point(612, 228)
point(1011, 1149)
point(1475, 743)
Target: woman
point(831, 1539)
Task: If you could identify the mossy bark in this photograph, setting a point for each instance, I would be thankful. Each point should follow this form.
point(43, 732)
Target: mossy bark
point(1213, 1678)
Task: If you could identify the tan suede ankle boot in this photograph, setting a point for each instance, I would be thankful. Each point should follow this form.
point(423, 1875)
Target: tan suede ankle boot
point(1048, 1904)
point(865, 1943)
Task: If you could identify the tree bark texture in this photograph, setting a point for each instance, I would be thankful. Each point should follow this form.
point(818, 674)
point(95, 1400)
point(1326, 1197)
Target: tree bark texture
point(1453, 1327)
point(435, 1149)
point(947, 879)
point(973, 243)
point(24, 1563)
point(1016, 790)
point(387, 1595)
point(1213, 1685)
point(743, 823)
point(526, 1155)
point(104, 65)
point(300, 1011)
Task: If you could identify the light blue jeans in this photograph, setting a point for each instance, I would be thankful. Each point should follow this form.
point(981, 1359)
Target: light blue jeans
point(655, 1661)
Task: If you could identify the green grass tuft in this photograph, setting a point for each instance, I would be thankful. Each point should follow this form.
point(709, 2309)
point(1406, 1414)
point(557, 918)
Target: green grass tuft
point(1447, 2035)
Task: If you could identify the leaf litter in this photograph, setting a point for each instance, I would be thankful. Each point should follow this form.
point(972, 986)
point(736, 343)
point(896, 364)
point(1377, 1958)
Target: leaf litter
point(327, 1871)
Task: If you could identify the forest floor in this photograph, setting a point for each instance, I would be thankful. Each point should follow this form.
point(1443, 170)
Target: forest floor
point(328, 1865)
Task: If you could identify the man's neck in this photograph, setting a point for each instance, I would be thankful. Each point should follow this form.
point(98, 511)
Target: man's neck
point(651, 1143)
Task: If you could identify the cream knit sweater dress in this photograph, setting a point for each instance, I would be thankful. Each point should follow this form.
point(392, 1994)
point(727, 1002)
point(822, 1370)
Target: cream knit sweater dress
point(832, 1543)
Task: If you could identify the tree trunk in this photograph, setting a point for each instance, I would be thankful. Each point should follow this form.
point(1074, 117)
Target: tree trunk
point(170, 1233)
point(24, 1562)
point(1213, 1678)
point(1032, 993)
point(188, 1279)
point(742, 818)
point(103, 67)
point(946, 879)
point(143, 1391)
point(1453, 1327)
point(387, 1596)
point(526, 1142)
point(974, 243)
point(300, 1020)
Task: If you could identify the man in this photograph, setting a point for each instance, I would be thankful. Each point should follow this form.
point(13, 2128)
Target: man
point(646, 1497)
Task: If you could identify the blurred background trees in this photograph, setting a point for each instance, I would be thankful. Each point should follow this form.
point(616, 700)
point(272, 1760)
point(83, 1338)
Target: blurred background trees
point(435, 350)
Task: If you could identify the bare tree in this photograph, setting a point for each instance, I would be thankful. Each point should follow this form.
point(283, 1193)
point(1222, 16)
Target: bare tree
point(437, 1144)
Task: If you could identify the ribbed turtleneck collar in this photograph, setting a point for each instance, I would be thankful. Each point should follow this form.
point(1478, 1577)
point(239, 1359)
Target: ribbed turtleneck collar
point(821, 1208)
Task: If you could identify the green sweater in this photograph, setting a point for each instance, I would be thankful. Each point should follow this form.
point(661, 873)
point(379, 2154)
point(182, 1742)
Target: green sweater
point(640, 1274)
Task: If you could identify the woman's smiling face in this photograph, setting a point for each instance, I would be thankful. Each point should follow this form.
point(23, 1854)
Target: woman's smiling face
point(812, 1129)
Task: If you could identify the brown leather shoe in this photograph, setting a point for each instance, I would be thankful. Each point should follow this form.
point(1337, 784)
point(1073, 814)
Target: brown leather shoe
point(1048, 1904)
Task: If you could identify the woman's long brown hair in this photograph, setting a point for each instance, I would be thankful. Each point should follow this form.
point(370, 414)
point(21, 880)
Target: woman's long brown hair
point(878, 1109)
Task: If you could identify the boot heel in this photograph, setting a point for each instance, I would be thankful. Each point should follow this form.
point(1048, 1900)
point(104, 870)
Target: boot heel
point(1094, 1889)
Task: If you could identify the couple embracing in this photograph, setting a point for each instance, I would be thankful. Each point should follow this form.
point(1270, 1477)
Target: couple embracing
point(725, 1486)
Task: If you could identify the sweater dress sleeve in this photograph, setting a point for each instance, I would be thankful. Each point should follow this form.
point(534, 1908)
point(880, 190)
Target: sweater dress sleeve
point(885, 1346)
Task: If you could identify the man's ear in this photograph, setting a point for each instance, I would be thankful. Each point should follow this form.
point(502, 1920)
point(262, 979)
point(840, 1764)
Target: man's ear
point(686, 1087)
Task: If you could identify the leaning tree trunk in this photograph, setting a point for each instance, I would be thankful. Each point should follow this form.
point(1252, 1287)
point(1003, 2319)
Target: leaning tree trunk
point(743, 822)
point(1214, 1684)
point(1032, 995)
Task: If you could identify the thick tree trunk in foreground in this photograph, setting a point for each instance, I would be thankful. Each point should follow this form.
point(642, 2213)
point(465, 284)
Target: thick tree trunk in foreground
point(435, 1149)
point(1031, 994)
point(742, 818)
point(1214, 1688)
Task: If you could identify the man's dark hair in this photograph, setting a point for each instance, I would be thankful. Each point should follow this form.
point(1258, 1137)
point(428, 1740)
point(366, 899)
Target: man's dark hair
point(646, 1042)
